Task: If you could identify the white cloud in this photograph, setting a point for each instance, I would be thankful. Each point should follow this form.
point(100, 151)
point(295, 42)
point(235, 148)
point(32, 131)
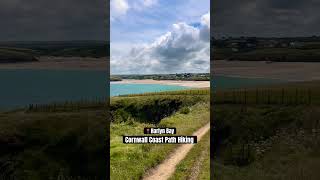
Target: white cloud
point(148, 3)
point(205, 20)
point(118, 8)
point(205, 31)
point(184, 48)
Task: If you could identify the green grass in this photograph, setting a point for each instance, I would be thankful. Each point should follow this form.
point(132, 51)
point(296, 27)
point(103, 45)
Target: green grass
point(197, 162)
point(151, 108)
point(132, 161)
point(272, 140)
point(16, 55)
point(26, 51)
point(307, 54)
point(44, 145)
point(289, 93)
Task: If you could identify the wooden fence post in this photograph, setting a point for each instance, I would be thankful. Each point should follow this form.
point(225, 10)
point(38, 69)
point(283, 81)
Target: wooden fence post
point(268, 92)
point(309, 96)
point(282, 96)
point(296, 100)
point(257, 96)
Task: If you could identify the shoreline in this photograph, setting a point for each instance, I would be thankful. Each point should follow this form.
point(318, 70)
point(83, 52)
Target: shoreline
point(191, 84)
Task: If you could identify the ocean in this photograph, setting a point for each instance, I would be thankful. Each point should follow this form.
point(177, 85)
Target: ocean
point(19, 88)
point(122, 89)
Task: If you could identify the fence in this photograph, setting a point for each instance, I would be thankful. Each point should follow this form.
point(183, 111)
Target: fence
point(268, 96)
point(67, 106)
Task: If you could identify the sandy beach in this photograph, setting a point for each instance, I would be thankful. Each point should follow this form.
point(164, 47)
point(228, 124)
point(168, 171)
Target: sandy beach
point(289, 71)
point(192, 84)
point(61, 63)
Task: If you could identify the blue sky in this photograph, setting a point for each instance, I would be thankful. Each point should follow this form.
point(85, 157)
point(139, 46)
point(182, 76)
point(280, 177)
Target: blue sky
point(159, 36)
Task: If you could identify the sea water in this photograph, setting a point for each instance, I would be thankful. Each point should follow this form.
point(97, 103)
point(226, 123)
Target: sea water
point(123, 89)
point(19, 88)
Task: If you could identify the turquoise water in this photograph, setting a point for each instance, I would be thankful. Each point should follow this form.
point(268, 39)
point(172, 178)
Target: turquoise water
point(224, 82)
point(19, 88)
point(122, 89)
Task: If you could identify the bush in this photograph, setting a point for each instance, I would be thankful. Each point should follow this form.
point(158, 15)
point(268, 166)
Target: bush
point(185, 110)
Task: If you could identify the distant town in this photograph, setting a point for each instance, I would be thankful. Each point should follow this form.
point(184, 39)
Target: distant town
point(297, 49)
point(177, 76)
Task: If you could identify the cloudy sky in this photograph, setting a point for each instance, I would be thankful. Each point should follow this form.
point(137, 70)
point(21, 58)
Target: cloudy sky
point(266, 18)
point(28, 20)
point(159, 36)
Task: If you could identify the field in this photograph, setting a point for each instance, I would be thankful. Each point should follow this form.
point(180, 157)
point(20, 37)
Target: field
point(289, 49)
point(15, 52)
point(270, 54)
point(187, 111)
point(267, 133)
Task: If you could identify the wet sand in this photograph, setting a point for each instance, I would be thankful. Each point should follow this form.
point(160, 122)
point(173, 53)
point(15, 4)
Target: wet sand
point(289, 71)
point(192, 84)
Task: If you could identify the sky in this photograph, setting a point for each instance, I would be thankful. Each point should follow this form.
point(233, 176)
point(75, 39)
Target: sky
point(266, 18)
point(159, 36)
point(53, 20)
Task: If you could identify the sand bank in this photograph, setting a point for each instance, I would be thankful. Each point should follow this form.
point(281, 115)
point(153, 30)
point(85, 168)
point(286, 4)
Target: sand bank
point(192, 84)
point(289, 71)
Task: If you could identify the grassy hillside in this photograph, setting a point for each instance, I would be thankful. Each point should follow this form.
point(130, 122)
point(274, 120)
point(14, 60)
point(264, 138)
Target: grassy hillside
point(197, 164)
point(131, 114)
point(58, 140)
point(14, 55)
point(274, 136)
point(28, 51)
point(286, 49)
point(270, 54)
point(69, 140)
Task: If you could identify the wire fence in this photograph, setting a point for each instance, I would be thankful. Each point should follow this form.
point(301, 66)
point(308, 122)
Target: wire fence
point(282, 96)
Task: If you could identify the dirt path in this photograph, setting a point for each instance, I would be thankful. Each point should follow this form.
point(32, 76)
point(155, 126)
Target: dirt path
point(167, 167)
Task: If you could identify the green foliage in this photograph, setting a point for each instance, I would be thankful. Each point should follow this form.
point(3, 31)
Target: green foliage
point(295, 49)
point(115, 78)
point(28, 51)
point(149, 109)
point(197, 164)
point(184, 110)
point(8, 55)
point(131, 161)
point(41, 144)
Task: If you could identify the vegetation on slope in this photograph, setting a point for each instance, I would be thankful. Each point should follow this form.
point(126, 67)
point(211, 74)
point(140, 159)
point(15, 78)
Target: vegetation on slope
point(14, 55)
point(53, 141)
point(290, 49)
point(197, 164)
point(131, 114)
point(272, 139)
point(14, 52)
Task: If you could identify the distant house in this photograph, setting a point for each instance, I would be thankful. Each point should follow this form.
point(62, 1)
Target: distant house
point(295, 44)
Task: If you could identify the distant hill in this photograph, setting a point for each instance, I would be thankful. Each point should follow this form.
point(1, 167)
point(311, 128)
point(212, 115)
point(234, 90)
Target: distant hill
point(28, 51)
point(14, 55)
point(295, 49)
